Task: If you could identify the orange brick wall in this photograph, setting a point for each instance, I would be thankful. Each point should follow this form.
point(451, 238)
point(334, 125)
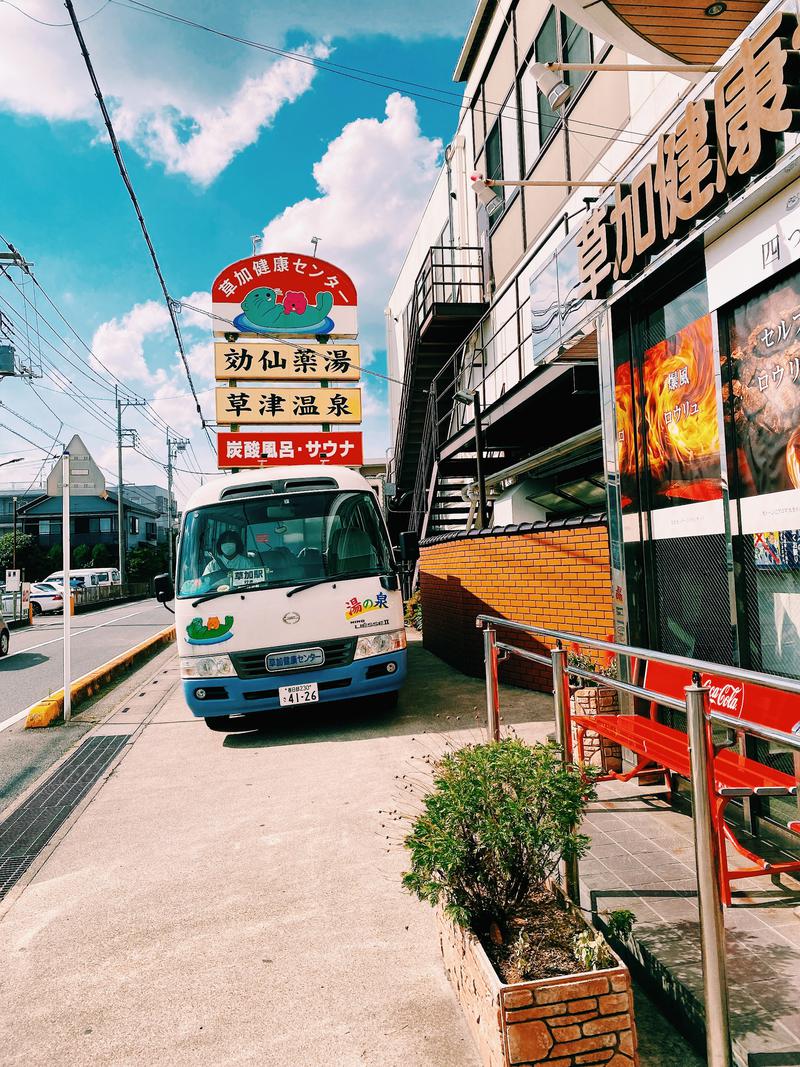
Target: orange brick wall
point(553, 578)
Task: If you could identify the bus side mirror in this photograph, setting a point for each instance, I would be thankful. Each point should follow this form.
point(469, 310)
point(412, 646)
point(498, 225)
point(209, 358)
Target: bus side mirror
point(165, 590)
point(409, 546)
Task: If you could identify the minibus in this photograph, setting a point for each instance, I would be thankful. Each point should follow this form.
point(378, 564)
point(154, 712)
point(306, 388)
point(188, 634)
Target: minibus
point(286, 594)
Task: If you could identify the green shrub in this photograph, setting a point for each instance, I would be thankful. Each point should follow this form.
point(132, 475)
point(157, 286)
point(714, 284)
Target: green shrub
point(413, 611)
point(493, 828)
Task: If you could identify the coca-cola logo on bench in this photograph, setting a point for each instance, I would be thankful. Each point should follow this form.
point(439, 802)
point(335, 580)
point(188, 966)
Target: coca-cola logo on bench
point(724, 696)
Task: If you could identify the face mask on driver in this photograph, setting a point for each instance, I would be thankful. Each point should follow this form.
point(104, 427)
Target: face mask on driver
point(228, 549)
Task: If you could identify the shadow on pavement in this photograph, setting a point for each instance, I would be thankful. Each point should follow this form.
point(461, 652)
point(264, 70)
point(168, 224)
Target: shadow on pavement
point(20, 661)
point(437, 699)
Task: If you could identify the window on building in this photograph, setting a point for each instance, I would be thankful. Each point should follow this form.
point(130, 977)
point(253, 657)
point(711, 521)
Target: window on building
point(44, 527)
point(81, 524)
point(150, 531)
point(105, 524)
point(494, 164)
point(560, 40)
point(134, 524)
point(546, 50)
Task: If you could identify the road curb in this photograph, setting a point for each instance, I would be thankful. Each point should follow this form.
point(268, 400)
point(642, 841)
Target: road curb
point(47, 711)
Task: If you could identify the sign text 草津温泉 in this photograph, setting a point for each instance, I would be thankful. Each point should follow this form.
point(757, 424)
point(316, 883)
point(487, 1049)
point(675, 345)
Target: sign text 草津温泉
point(258, 361)
point(707, 155)
point(262, 406)
point(253, 449)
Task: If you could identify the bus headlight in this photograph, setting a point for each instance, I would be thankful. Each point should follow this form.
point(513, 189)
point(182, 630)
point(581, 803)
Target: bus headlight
point(207, 667)
point(380, 644)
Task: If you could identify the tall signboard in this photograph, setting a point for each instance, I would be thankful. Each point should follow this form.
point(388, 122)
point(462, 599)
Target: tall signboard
point(284, 326)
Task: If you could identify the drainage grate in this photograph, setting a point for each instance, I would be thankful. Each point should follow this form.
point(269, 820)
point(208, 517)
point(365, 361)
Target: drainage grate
point(24, 834)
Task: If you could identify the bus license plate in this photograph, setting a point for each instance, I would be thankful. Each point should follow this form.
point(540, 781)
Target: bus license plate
point(307, 693)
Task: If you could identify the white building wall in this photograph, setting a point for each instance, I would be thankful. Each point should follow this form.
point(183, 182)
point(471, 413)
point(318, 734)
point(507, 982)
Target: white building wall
point(644, 100)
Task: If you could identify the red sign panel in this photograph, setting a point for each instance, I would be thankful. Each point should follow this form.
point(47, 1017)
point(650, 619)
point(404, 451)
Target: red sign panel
point(289, 449)
point(739, 700)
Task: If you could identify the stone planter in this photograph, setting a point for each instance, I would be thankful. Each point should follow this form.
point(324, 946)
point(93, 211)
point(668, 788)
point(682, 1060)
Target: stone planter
point(574, 1021)
point(591, 701)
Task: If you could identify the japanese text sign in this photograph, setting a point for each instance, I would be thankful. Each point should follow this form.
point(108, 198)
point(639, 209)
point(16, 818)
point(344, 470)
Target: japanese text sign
point(265, 406)
point(284, 294)
point(709, 154)
point(289, 449)
point(287, 362)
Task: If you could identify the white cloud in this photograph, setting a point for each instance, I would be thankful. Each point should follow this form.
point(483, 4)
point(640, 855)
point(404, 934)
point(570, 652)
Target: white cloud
point(374, 180)
point(173, 98)
point(218, 133)
point(119, 343)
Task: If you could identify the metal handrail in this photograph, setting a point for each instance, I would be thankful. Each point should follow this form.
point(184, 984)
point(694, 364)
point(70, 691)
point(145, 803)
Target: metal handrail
point(770, 681)
point(700, 721)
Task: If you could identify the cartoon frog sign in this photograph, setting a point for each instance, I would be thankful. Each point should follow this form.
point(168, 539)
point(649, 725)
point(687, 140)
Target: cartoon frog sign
point(264, 312)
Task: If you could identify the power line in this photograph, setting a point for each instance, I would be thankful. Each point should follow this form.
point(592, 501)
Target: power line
point(368, 77)
point(56, 25)
point(132, 194)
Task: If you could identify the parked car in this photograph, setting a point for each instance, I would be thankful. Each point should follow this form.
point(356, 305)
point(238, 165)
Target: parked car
point(78, 579)
point(47, 596)
point(4, 637)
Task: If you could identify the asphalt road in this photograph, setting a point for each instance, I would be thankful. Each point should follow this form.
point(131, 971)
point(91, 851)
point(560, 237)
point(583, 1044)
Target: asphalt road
point(34, 666)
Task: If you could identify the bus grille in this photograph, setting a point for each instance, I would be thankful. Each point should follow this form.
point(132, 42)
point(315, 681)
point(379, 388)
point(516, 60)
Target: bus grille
point(254, 664)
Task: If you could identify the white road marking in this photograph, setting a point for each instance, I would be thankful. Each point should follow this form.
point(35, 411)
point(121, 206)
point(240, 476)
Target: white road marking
point(75, 633)
point(4, 725)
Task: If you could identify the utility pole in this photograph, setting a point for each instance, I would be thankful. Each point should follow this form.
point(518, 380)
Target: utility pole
point(14, 564)
point(67, 586)
point(175, 445)
point(121, 532)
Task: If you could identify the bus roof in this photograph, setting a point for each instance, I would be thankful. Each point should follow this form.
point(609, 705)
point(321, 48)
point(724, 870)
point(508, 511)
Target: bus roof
point(211, 492)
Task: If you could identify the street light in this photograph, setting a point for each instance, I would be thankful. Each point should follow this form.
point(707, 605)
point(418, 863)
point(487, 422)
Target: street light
point(466, 398)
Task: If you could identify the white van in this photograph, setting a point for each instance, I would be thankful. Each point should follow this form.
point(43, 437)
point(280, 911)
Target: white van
point(82, 578)
point(89, 576)
point(287, 594)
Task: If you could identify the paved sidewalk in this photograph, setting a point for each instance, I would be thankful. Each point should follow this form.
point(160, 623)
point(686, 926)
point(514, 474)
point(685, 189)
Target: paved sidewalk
point(232, 900)
point(642, 858)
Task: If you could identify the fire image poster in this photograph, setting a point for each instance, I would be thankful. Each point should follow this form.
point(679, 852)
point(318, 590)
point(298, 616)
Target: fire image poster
point(763, 405)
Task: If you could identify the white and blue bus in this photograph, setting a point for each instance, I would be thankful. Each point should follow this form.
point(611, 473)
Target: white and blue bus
point(286, 594)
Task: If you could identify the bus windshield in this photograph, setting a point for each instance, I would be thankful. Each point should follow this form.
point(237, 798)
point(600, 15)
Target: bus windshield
point(280, 540)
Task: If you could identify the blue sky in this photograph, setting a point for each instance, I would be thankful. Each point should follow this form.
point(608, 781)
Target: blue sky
point(221, 141)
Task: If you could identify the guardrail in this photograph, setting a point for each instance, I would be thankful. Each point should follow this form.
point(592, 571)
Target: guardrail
point(700, 721)
point(12, 608)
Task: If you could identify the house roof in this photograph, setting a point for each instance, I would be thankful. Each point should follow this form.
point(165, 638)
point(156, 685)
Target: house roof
point(81, 505)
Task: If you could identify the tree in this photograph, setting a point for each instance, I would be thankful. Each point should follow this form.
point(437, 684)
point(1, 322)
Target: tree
point(145, 561)
point(81, 555)
point(102, 556)
point(30, 557)
point(55, 558)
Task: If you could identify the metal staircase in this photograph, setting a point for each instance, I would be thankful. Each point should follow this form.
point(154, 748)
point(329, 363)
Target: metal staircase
point(447, 302)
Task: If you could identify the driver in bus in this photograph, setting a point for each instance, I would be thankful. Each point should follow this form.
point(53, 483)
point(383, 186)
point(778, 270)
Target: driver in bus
point(229, 555)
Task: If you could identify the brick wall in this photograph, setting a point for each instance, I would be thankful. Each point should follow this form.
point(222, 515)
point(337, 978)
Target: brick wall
point(556, 578)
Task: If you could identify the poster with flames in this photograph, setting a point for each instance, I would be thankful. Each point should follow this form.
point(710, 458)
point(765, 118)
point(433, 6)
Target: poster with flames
point(763, 404)
point(677, 390)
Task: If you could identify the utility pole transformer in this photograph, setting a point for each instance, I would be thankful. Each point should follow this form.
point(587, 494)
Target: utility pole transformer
point(175, 445)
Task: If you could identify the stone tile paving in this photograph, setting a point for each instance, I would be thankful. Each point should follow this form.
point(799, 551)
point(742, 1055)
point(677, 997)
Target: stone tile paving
point(642, 858)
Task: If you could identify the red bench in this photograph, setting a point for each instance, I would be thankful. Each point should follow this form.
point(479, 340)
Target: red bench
point(661, 747)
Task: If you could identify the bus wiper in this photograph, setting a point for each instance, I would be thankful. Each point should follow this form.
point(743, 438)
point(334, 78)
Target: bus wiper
point(331, 578)
point(228, 592)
